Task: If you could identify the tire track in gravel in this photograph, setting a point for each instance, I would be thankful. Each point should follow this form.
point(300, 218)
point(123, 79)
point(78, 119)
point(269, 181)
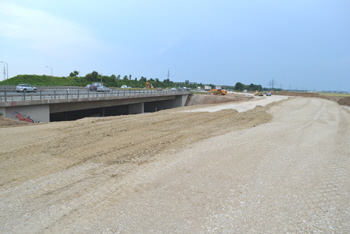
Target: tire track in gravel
point(295, 181)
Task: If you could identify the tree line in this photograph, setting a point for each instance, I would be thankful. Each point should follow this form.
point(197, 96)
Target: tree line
point(114, 81)
point(250, 88)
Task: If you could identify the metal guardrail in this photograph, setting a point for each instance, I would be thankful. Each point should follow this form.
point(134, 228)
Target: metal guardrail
point(74, 94)
point(12, 88)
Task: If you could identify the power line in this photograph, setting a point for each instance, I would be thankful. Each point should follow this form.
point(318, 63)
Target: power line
point(272, 83)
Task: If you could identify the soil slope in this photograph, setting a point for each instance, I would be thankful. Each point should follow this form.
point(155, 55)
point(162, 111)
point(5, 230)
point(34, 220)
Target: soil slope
point(344, 101)
point(273, 169)
point(200, 99)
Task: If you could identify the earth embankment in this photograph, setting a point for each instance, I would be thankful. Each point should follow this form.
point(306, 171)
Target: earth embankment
point(344, 101)
point(202, 99)
point(278, 168)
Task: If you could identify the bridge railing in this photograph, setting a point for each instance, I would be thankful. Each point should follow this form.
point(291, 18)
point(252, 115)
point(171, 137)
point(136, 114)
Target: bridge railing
point(73, 94)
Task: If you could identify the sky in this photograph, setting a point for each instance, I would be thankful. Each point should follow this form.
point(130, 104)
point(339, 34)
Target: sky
point(292, 44)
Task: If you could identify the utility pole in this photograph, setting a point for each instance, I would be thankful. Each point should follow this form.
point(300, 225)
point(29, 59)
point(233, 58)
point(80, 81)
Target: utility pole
point(4, 73)
point(51, 74)
point(168, 74)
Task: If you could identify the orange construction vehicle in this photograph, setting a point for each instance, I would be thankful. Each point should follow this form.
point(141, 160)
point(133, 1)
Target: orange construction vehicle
point(218, 91)
point(148, 85)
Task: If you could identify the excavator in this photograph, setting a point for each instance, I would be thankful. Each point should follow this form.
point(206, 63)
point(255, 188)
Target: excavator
point(148, 85)
point(218, 91)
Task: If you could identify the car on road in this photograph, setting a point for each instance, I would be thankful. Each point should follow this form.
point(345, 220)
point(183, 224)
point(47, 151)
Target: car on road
point(268, 94)
point(94, 86)
point(124, 87)
point(173, 89)
point(103, 89)
point(25, 88)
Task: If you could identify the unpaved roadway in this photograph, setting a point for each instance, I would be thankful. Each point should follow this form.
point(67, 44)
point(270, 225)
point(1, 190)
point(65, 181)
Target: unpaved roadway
point(281, 168)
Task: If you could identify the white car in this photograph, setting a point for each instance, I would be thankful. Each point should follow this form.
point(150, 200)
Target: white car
point(102, 89)
point(124, 87)
point(25, 88)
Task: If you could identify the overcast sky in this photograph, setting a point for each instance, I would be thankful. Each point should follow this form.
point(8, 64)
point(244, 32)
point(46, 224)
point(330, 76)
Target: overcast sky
point(301, 44)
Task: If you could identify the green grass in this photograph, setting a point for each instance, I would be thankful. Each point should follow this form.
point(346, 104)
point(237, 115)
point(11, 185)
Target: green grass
point(44, 81)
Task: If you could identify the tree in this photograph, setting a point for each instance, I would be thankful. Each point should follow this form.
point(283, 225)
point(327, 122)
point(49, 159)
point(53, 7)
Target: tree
point(239, 86)
point(252, 87)
point(75, 73)
point(143, 79)
point(94, 75)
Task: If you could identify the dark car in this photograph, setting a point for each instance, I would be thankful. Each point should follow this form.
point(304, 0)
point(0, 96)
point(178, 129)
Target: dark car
point(93, 86)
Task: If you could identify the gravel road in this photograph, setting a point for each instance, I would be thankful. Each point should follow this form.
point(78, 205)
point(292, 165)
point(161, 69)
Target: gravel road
point(281, 168)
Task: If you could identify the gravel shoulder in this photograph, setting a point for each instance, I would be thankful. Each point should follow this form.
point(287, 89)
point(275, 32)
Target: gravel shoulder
point(278, 168)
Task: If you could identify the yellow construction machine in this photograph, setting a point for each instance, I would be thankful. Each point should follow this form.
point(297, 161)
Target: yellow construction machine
point(260, 93)
point(218, 91)
point(148, 85)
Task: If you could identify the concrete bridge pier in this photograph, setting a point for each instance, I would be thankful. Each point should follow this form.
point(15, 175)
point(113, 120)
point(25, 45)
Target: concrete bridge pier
point(137, 108)
point(177, 101)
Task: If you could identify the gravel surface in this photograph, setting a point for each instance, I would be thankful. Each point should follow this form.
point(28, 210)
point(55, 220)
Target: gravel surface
point(257, 101)
point(281, 168)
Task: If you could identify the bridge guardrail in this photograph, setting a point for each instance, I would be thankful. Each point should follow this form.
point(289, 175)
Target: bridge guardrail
point(73, 94)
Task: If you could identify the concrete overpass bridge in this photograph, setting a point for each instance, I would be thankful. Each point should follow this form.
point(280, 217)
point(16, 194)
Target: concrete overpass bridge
point(61, 105)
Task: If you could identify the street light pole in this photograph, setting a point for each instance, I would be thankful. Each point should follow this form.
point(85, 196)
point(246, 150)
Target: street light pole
point(51, 73)
point(50, 68)
point(7, 70)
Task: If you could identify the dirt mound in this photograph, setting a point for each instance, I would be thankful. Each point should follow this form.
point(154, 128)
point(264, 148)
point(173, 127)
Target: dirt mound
point(301, 94)
point(122, 140)
point(317, 95)
point(200, 99)
point(6, 122)
point(344, 101)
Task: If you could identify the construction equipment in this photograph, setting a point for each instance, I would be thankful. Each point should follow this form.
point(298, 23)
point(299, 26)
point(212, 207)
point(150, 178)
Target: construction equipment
point(218, 91)
point(149, 85)
point(260, 93)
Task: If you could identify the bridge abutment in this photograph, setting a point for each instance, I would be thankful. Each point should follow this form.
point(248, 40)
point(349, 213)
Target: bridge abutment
point(35, 113)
